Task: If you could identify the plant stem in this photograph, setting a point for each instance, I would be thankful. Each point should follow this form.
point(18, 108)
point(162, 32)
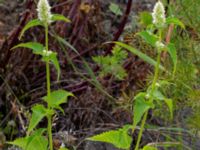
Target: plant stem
point(141, 130)
point(49, 128)
point(156, 73)
point(146, 113)
point(47, 63)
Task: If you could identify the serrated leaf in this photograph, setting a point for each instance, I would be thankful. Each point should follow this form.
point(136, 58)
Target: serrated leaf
point(39, 112)
point(176, 21)
point(112, 64)
point(58, 17)
point(32, 23)
point(57, 98)
point(169, 103)
point(119, 138)
point(37, 48)
point(173, 54)
point(114, 8)
point(148, 37)
point(139, 54)
point(149, 148)
point(140, 107)
point(26, 142)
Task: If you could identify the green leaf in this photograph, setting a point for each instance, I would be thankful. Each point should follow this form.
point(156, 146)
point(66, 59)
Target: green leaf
point(57, 98)
point(119, 138)
point(173, 53)
point(33, 142)
point(139, 54)
point(36, 47)
point(148, 37)
point(149, 148)
point(32, 23)
point(114, 8)
point(58, 17)
point(145, 18)
point(39, 112)
point(140, 107)
point(176, 21)
point(20, 142)
point(38, 143)
point(113, 64)
point(157, 95)
point(169, 103)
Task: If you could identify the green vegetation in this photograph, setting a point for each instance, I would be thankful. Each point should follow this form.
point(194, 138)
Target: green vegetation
point(34, 138)
point(168, 42)
point(149, 99)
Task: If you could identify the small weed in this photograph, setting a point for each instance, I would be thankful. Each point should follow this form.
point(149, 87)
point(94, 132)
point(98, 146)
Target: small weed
point(149, 99)
point(34, 138)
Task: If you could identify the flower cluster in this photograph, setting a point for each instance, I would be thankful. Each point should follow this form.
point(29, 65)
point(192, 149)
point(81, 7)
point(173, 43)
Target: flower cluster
point(44, 13)
point(158, 15)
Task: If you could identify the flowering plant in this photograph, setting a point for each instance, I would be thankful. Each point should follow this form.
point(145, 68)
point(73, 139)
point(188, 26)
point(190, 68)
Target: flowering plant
point(34, 139)
point(146, 100)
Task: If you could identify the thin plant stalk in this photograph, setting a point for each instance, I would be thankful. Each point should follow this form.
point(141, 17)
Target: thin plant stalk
point(49, 128)
point(146, 113)
point(156, 73)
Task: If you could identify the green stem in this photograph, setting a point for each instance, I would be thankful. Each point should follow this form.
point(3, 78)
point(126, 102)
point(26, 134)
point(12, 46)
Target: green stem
point(49, 127)
point(47, 63)
point(141, 130)
point(146, 113)
point(156, 73)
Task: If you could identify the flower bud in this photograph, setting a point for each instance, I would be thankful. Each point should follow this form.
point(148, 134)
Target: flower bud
point(160, 45)
point(158, 15)
point(47, 53)
point(44, 13)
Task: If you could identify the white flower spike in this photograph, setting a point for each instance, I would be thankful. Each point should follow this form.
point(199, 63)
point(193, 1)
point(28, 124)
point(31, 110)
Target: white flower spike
point(158, 15)
point(44, 12)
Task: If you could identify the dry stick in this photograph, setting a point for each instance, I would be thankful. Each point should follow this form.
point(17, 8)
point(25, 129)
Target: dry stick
point(168, 38)
point(122, 25)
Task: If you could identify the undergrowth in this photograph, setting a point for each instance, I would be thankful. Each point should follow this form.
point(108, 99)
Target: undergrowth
point(173, 87)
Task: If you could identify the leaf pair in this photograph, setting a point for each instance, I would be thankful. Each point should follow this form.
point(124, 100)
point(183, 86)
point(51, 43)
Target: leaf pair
point(143, 103)
point(54, 101)
point(39, 49)
point(37, 22)
point(146, 19)
point(152, 39)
